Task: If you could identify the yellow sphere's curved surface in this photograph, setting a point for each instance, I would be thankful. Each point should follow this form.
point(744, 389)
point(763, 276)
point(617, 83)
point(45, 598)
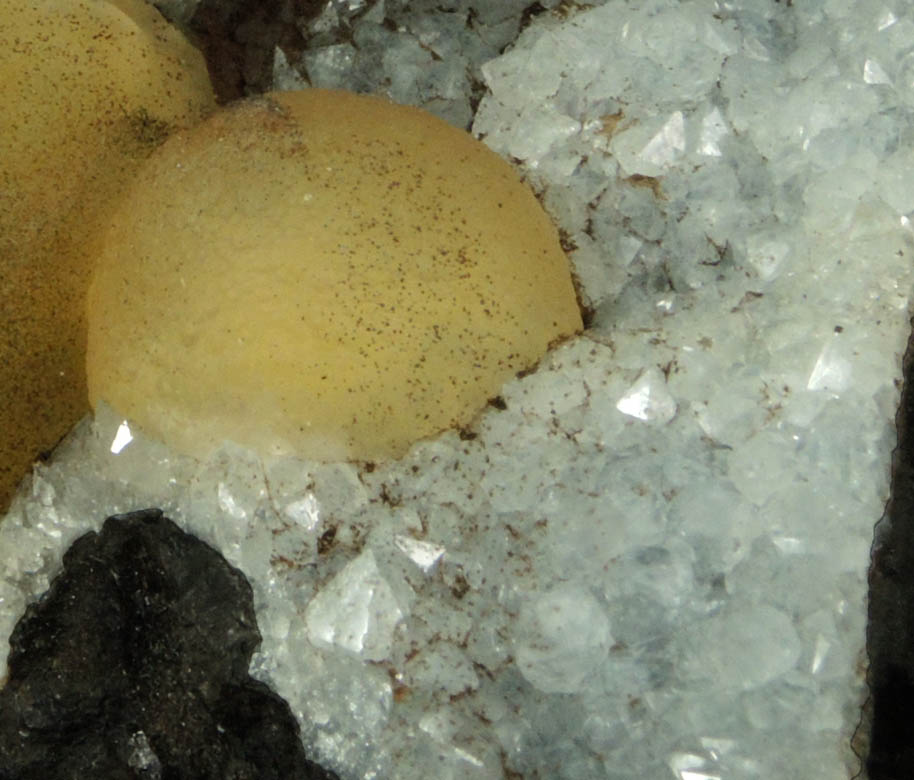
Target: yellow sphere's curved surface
point(87, 89)
point(325, 274)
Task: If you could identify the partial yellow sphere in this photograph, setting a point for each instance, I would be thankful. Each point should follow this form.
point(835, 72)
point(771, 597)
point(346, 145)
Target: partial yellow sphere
point(88, 88)
point(324, 274)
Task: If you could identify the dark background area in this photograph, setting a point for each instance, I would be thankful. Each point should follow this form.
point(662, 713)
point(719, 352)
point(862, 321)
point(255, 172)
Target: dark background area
point(890, 632)
point(238, 38)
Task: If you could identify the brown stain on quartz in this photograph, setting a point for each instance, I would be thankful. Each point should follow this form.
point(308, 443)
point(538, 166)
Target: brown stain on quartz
point(88, 89)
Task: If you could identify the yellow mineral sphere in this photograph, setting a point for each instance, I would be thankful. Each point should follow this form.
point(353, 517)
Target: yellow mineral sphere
point(325, 274)
point(87, 89)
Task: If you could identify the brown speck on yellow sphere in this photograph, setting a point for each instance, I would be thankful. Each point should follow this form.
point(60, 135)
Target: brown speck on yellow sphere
point(87, 90)
point(325, 274)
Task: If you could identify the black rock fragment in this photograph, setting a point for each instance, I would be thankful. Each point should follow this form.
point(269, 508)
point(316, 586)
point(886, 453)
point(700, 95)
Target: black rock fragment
point(134, 665)
point(890, 632)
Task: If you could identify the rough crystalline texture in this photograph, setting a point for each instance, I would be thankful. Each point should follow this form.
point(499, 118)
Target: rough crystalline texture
point(87, 90)
point(134, 664)
point(702, 471)
point(322, 273)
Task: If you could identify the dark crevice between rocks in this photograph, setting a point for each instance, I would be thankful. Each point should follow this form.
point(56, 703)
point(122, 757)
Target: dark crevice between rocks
point(134, 665)
point(238, 39)
point(889, 713)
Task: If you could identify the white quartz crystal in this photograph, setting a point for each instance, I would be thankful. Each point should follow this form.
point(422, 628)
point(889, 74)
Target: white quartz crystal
point(648, 399)
point(423, 554)
point(652, 561)
point(561, 638)
point(356, 611)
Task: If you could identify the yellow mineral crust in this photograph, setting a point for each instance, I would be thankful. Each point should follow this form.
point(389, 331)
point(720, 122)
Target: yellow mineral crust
point(325, 274)
point(87, 89)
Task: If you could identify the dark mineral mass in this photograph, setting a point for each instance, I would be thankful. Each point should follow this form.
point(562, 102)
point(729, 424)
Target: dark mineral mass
point(134, 665)
point(890, 634)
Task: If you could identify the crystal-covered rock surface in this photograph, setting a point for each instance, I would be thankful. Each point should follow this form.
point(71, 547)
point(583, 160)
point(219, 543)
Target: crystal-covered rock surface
point(648, 558)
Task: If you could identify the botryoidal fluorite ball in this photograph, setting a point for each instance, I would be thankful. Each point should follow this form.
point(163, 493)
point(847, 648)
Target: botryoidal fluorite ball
point(324, 274)
point(87, 89)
